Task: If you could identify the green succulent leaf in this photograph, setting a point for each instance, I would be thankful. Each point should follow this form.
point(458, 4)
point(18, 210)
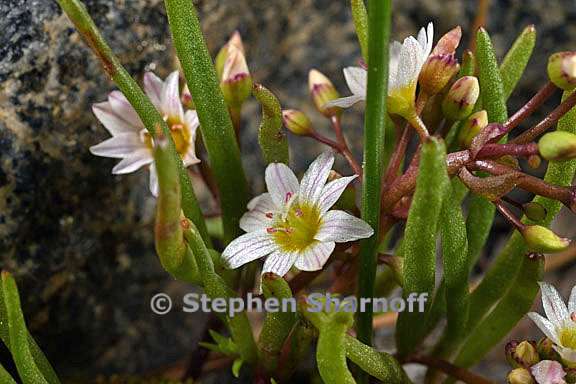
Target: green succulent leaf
point(360, 18)
point(516, 59)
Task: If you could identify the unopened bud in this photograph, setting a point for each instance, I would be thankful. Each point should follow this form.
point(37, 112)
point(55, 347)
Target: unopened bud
point(235, 42)
point(558, 146)
point(541, 239)
point(395, 264)
point(236, 81)
point(322, 91)
point(187, 98)
point(562, 69)
point(473, 125)
point(546, 349)
point(461, 98)
point(437, 72)
point(519, 376)
point(534, 161)
point(523, 354)
point(534, 211)
point(297, 122)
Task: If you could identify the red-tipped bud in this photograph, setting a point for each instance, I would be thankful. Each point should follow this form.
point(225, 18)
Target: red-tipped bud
point(322, 91)
point(472, 127)
point(461, 98)
point(437, 72)
point(297, 122)
point(562, 70)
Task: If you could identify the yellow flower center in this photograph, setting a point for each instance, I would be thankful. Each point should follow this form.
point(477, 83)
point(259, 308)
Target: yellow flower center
point(180, 134)
point(295, 230)
point(567, 336)
point(401, 101)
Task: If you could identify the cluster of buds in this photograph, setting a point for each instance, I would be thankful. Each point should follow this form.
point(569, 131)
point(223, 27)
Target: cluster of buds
point(536, 363)
point(232, 70)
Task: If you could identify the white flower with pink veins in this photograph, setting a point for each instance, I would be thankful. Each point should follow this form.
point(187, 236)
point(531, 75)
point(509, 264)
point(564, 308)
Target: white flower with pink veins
point(292, 223)
point(130, 140)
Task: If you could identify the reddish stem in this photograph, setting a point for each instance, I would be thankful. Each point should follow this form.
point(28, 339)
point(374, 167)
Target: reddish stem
point(508, 215)
point(450, 369)
point(499, 150)
point(533, 104)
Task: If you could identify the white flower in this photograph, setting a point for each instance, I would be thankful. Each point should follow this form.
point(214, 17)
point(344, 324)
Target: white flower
point(130, 140)
point(548, 372)
point(560, 324)
point(406, 61)
point(292, 223)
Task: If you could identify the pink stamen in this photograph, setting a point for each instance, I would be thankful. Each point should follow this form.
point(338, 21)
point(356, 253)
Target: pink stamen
point(573, 316)
point(280, 229)
point(288, 197)
point(299, 212)
point(271, 230)
point(269, 215)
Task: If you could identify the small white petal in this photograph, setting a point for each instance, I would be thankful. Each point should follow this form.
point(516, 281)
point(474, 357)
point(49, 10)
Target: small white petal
point(153, 87)
point(407, 62)
point(332, 192)
point(170, 99)
point(122, 108)
point(344, 102)
point(356, 80)
point(279, 262)
point(341, 227)
point(153, 184)
point(548, 372)
point(119, 146)
point(257, 219)
point(567, 354)
point(572, 301)
point(315, 256)
point(545, 326)
point(395, 49)
point(133, 162)
point(430, 40)
point(553, 304)
point(280, 181)
point(315, 177)
point(247, 248)
point(191, 120)
point(112, 122)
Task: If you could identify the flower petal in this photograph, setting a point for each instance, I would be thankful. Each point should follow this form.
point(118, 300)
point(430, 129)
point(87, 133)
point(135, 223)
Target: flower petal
point(344, 102)
point(133, 162)
point(112, 122)
point(430, 40)
point(332, 192)
point(257, 219)
point(356, 80)
point(191, 120)
point(247, 248)
point(553, 304)
point(279, 262)
point(548, 372)
point(568, 355)
point(340, 227)
point(118, 146)
point(122, 108)
point(280, 181)
point(315, 177)
point(170, 103)
point(572, 301)
point(545, 326)
point(395, 49)
point(407, 63)
point(153, 87)
point(315, 256)
point(153, 184)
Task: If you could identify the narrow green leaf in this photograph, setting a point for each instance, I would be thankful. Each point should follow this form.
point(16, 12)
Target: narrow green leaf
point(152, 120)
point(374, 153)
point(468, 67)
point(360, 18)
point(515, 303)
point(19, 347)
point(380, 365)
point(516, 59)
point(5, 377)
point(456, 263)
point(277, 325)
point(331, 349)
point(215, 123)
point(419, 267)
point(478, 224)
point(272, 140)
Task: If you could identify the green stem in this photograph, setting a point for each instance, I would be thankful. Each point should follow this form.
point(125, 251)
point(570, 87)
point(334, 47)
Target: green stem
point(150, 117)
point(374, 135)
point(215, 123)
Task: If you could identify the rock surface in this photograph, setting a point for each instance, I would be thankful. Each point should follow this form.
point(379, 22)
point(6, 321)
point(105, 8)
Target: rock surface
point(80, 240)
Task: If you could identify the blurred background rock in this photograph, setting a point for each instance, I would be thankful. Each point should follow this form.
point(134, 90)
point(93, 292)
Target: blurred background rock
point(79, 239)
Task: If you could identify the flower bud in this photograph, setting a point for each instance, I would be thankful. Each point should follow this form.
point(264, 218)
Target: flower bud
point(473, 125)
point(236, 83)
point(437, 72)
point(322, 91)
point(546, 349)
point(534, 161)
point(449, 42)
point(523, 354)
point(186, 98)
point(541, 239)
point(236, 42)
point(297, 122)
point(461, 98)
point(534, 211)
point(558, 146)
point(562, 69)
point(519, 376)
